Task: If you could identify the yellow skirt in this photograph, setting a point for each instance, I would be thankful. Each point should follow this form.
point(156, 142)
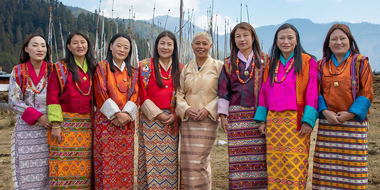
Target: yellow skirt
point(287, 151)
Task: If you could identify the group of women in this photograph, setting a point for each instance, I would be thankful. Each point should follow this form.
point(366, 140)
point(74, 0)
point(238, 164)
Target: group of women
point(75, 118)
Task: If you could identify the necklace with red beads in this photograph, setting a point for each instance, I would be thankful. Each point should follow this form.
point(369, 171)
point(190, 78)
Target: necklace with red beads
point(246, 73)
point(30, 80)
point(339, 72)
point(170, 72)
point(286, 73)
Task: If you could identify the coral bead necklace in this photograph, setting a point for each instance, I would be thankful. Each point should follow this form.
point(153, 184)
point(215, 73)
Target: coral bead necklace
point(286, 73)
point(246, 72)
point(339, 72)
point(30, 80)
point(170, 72)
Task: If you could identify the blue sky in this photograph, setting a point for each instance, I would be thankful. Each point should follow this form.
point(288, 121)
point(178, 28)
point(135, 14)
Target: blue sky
point(261, 12)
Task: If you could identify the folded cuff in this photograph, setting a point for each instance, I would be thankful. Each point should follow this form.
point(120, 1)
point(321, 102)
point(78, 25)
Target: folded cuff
point(109, 108)
point(31, 115)
point(150, 109)
point(360, 108)
point(55, 113)
point(310, 115)
point(131, 109)
point(261, 114)
point(321, 105)
point(223, 105)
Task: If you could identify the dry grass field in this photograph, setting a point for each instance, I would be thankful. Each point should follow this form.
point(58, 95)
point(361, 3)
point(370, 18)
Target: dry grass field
point(219, 157)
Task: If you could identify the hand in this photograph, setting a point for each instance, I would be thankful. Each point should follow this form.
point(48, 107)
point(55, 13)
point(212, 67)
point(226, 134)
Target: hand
point(43, 119)
point(170, 120)
point(201, 114)
point(162, 117)
point(331, 117)
point(263, 128)
point(123, 118)
point(192, 113)
point(56, 134)
point(344, 116)
point(305, 129)
point(116, 122)
point(223, 118)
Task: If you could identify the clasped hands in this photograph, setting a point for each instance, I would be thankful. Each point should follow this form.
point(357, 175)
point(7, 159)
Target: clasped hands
point(165, 118)
point(197, 115)
point(337, 118)
point(121, 119)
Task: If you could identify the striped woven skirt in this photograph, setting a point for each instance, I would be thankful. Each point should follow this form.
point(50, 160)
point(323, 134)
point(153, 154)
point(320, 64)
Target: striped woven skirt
point(287, 151)
point(197, 139)
point(113, 154)
point(29, 157)
point(246, 150)
point(340, 159)
point(158, 156)
point(70, 160)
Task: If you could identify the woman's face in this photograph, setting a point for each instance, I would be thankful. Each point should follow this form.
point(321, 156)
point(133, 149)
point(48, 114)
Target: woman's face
point(165, 47)
point(78, 46)
point(339, 42)
point(36, 48)
point(243, 39)
point(201, 46)
point(286, 41)
point(120, 49)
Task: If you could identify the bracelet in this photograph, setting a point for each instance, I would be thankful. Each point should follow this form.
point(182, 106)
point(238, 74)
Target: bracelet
point(58, 127)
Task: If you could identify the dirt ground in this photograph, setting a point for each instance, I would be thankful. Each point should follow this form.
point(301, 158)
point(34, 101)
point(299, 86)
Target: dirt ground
point(219, 156)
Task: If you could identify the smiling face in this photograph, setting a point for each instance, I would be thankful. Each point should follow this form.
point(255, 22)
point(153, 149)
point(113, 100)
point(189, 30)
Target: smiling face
point(286, 41)
point(120, 49)
point(243, 40)
point(339, 42)
point(36, 48)
point(165, 47)
point(201, 46)
point(78, 46)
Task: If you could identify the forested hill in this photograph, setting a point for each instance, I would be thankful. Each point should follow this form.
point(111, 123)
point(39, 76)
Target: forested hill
point(19, 18)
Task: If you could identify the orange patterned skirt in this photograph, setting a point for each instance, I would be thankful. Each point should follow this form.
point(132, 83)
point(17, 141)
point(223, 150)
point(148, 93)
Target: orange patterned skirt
point(70, 160)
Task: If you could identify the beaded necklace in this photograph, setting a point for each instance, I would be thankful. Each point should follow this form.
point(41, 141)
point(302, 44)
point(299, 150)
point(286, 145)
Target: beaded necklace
point(89, 89)
point(125, 80)
point(170, 72)
point(339, 72)
point(30, 80)
point(286, 73)
point(246, 72)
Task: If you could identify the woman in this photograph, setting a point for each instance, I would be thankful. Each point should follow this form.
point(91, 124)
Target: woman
point(27, 97)
point(239, 89)
point(197, 103)
point(116, 94)
point(69, 110)
point(158, 134)
point(287, 109)
point(345, 95)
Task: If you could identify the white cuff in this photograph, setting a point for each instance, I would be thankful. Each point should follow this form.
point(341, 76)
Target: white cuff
point(131, 109)
point(109, 109)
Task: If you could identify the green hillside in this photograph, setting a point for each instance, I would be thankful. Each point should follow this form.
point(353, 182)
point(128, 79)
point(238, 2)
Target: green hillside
point(20, 18)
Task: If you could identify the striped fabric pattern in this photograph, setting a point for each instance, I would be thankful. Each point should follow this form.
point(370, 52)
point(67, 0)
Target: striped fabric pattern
point(340, 160)
point(158, 156)
point(197, 139)
point(246, 150)
point(70, 160)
